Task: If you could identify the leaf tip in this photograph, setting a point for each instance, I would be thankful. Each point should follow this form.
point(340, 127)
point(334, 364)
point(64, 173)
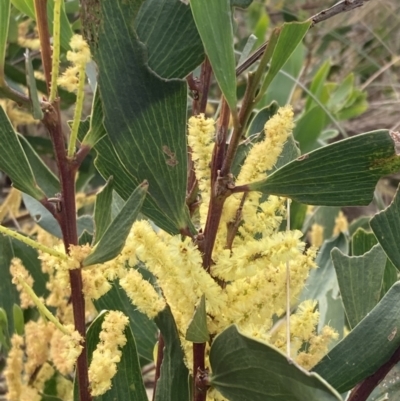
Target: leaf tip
point(144, 185)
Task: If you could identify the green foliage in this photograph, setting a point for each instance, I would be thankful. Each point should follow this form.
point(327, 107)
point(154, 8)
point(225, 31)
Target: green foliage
point(173, 384)
point(367, 347)
point(214, 20)
point(146, 132)
point(386, 229)
point(127, 384)
point(113, 239)
point(144, 330)
point(360, 281)
point(344, 173)
point(197, 331)
point(240, 372)
point(14, 162)
point(133, 153)
point(175, 55)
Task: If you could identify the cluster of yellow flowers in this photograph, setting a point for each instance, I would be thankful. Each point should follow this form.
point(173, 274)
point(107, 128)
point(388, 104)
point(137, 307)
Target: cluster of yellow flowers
point(79, 57)
point(251, 266)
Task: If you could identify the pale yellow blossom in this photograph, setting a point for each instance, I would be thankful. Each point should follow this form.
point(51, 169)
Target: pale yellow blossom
point(108, 353)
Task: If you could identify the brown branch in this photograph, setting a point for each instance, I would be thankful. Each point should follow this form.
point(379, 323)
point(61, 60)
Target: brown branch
point(66, 213)
point(44, 37)
point(219, 187)
point(160, 357)
point(10, 93)
point(342, 6)
point(200, 389)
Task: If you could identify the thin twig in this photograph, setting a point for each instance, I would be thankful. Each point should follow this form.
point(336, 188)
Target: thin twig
point(342, 6)
point(338, 8)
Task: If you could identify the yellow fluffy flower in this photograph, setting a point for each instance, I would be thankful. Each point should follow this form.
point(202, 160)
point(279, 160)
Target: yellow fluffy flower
point(108, 353)
point(201, 133)
point(142, 294)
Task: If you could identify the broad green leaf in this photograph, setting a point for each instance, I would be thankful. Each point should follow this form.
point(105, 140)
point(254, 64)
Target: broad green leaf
point(144, 330)
point(144, 116)
point(114, 237)
point(342, 174)
point(362, 241)
point(389, 277)
point(5, 12)
point(360, 281)
point(102, 210)
point(214, 22)
point(244, 369)
point(386, 227)
point(173, 384)
point(367, 347)
point(109, 164)
point(14, 162)
point(308, 128)
point(318, 83)
point(180, 51)
point(45, 178)
point(127, 384)
point(18, 317)
point(291, 34)
point(197, 331)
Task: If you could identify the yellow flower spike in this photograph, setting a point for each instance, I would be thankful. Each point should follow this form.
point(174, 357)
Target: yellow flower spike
point(65, 349)
point(73, 79)
point(142, 294)
point(55, 67)
point(201, 131)
point(14, 367)
point(18, 278)
point(263, 155)
point(107, 353)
